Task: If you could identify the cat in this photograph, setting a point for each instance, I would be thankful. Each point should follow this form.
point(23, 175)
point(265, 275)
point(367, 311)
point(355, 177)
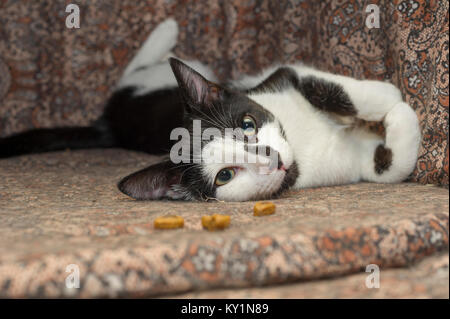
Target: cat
point(300, 117)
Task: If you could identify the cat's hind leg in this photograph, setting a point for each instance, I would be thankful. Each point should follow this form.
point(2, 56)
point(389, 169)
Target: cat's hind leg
point(150, 70)
point(160, 42)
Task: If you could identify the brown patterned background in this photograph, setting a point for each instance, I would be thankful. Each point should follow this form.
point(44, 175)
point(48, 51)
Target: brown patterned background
point(51, 75)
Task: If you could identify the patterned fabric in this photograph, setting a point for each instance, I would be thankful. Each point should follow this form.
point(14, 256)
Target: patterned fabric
point(427, 279)
point(63, 209)
point(51, 75)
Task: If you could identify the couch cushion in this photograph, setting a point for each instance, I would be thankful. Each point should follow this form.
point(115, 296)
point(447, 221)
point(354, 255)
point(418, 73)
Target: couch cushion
point(60, 209)
point(426, 279)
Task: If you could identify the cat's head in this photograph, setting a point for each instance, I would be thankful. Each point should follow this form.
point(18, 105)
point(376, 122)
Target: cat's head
point(231, 149)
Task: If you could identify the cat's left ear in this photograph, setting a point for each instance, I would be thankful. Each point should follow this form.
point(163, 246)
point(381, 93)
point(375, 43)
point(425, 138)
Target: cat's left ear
point(159, 181)
point(197, 91)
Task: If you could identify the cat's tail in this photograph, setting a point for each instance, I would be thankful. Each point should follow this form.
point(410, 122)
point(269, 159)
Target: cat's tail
point(55, 139)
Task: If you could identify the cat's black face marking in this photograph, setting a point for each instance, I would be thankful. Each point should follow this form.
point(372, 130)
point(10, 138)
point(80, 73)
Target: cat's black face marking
point(324, 95)
point(291, 177)
point(213, 103)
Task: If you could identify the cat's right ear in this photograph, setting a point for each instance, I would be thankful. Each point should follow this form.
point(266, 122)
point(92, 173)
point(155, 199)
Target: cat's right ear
point(197, 91)
point(159, 181)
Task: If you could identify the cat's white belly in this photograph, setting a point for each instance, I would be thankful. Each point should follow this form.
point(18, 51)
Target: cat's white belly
point(327, 160)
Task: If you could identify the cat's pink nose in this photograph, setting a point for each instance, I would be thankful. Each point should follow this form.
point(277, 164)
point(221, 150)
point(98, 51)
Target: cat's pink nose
point(280, 164)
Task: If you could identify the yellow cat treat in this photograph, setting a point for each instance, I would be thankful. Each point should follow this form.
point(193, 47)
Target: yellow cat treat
point(169, 222)
point(263, 209)
point(216, 222)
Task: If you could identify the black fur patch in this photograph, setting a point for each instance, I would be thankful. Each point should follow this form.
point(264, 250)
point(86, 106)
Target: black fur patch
point(278, 81)
point(324, 95)
point(143, 123)
point(56, 139)
point(383, 159)
point(140, 123)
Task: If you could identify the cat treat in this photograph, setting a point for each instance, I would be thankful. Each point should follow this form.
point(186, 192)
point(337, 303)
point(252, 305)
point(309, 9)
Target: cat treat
point(216, 222)
point(169, 222)
point(263, 209)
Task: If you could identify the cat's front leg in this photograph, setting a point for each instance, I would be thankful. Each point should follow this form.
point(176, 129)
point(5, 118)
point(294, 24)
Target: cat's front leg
point(372, 100)
point(368, 100)
point(394, 160)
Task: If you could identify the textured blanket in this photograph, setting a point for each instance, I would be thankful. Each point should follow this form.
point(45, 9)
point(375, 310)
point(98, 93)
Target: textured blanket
point(63, 209)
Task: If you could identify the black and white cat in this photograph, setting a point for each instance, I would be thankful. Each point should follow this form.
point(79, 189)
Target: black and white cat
point(300, 114)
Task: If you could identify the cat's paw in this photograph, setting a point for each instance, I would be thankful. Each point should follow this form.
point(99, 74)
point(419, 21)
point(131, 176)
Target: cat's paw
point(403, 138)
point(402, 117)
point(389, 91)
point(376, 99)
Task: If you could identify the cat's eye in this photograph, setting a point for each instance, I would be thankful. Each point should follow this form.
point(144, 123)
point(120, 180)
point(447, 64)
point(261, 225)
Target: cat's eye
point(225, 176)
point(249, 125)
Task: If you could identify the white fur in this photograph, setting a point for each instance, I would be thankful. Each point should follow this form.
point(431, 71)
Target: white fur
point(150, 70)
point(158, 44)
